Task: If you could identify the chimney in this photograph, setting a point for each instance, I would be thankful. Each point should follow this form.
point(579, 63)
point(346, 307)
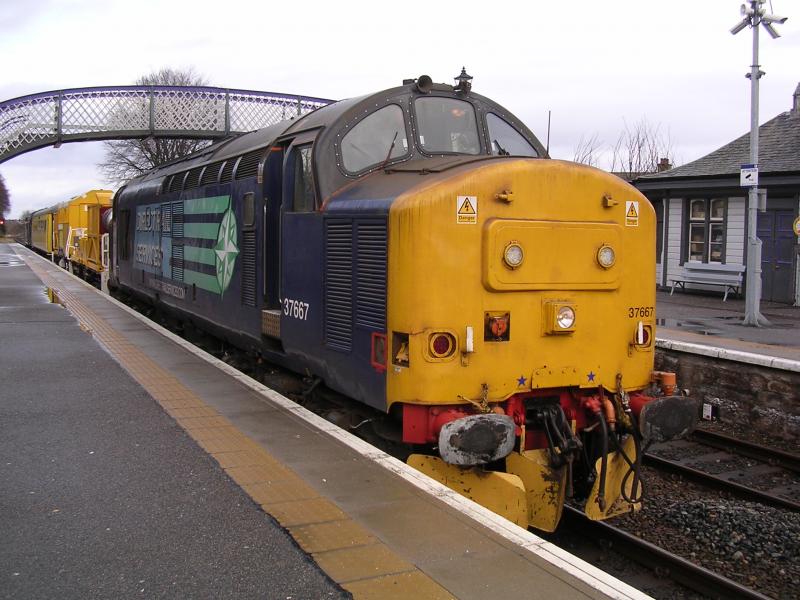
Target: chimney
point(796, 103)
point(663, 164)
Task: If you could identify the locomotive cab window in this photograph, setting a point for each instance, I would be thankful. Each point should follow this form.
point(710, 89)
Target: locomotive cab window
point(505, 140)
point(447, 125)
point(303, 192)
point(379, 136)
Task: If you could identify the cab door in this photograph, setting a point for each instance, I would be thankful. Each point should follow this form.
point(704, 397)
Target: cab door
point(271, 227)
point(301, 252)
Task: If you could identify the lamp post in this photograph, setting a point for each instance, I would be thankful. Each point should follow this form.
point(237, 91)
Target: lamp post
point(753, 16)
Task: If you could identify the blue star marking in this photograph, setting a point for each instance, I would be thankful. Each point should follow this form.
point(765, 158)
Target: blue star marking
point(590, 376)
point(521, 381)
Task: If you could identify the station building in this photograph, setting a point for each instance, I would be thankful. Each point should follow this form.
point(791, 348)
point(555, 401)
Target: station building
point(702, 213)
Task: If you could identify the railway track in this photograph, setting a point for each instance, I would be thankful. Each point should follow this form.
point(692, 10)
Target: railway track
point(663, 564)
point(748, 470)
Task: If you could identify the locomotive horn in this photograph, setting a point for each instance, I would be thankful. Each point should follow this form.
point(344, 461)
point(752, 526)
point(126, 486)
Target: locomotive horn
point(424, 84)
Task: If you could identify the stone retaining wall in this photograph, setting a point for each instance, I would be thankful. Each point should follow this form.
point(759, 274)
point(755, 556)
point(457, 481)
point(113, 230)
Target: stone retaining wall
point(766, 400)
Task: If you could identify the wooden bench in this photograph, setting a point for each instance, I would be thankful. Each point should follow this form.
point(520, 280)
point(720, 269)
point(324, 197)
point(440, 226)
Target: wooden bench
point(727, 276)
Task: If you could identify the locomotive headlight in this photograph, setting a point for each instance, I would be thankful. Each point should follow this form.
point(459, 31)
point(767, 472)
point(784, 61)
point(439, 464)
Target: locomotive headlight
point(513, 255)
point(565, 318)
point(606, 257)
point(559, 317)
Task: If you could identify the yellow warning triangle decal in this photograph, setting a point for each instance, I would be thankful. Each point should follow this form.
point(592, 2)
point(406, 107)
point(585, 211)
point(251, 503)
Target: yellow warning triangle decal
point(466, 208)
point(632, 211)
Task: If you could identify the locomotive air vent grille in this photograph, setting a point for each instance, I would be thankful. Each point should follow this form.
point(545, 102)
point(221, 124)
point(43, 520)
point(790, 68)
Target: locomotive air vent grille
point(166, 219)
point(211, 174)
point(177, 182)
point(227, 171)
point(167, 183)
point(371, 275)
point(177, 241)
point(193, 178)
point(248, 268)
point(248, 165)
point(177, 263)
point(339, 284)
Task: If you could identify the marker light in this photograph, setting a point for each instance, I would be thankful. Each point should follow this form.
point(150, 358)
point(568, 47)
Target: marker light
point(565, 318)
point(513, 255)
point(606, 257)
point(643, 335)
point(442, 345)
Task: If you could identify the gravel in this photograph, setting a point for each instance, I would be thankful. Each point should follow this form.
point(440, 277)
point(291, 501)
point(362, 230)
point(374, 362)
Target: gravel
point(755, 545)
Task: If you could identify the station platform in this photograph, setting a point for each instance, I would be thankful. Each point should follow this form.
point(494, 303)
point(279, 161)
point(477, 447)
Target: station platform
point(704, 324)
point(135, 464)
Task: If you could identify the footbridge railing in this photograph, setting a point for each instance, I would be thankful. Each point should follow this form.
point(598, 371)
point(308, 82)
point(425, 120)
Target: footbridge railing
point(123, 112)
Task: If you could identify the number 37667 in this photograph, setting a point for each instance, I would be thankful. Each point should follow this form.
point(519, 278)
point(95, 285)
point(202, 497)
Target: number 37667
point(641, 312)
point(295, 309)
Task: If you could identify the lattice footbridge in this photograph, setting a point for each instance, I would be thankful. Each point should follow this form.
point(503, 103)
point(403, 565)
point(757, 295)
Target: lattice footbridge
point(123, 112)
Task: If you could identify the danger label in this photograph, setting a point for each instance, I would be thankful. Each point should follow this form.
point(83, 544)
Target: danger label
point(467, 210)
point(631, 213)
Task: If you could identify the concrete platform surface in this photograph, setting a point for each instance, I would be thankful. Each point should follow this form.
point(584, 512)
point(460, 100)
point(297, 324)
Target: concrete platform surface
point(704, 319)
point(154, 466)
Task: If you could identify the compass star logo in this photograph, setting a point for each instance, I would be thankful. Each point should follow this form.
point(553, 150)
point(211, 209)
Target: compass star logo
point(226, 250)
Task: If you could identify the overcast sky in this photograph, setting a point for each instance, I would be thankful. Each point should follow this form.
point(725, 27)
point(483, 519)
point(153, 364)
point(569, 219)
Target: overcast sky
point(596, 65)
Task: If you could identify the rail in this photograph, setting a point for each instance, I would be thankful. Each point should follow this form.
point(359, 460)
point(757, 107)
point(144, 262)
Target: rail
point(731, 481)
point(678, 569)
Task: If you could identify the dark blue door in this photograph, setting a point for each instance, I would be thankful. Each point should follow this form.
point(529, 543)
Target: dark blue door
point(778, 239)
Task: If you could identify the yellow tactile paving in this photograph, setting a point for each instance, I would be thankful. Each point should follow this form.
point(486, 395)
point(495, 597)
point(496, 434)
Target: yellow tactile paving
point(226, 432)
point(362, 562)
point(304, 512)
point(331, 536)
point(226, 445)
point(398, 587)
point(348, 553)
point(188, 413)
point(245, 458)
point(193, 423)
point(286, 490)
point(268, 470)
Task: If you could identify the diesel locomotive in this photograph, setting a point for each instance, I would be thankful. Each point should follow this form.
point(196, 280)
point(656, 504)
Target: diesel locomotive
point(417, 250)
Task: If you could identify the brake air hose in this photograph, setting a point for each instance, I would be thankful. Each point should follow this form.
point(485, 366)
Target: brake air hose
point(637, 489)
point(601, 494)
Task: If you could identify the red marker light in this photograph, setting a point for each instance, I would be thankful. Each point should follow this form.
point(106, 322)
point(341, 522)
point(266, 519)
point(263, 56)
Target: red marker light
point(442, 345)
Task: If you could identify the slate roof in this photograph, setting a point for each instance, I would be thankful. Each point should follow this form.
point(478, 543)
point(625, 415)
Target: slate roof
point(778, 152)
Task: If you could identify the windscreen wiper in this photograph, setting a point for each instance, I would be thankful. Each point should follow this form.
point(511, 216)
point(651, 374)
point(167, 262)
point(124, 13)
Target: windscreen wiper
point(391, 147)
point(500, 150)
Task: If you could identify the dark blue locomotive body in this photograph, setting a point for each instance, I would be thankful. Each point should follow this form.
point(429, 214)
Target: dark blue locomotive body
point(277, 240)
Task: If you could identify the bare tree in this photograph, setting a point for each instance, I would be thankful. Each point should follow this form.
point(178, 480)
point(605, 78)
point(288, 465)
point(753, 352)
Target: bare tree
point(641, 148)
point(126, 159)
point(587, 150)
point(5, 199)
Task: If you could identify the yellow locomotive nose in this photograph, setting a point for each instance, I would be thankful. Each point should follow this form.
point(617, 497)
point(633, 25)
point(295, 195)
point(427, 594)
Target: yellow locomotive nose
point(538, 295)
point(545, 284)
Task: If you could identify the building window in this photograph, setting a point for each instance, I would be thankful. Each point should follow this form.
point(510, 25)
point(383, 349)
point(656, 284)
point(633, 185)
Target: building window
point(706, 230)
